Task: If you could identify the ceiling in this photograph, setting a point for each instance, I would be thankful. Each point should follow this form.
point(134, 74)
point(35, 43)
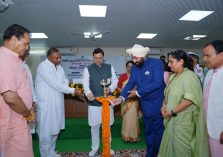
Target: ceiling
point(125, 20)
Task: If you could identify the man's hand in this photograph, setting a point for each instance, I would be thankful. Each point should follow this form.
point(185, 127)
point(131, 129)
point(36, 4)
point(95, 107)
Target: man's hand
point(221, 138)
point(78, 93)
point(90, 97)
point(31, 118)
point(34, 119)
point(132, 93)
point(116, 101)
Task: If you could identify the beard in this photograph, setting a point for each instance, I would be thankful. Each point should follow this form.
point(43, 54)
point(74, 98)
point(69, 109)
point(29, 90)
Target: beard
point(139, 64)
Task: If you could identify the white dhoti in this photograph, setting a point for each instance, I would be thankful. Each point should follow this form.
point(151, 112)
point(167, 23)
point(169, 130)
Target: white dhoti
point(94, 120)
point(94, 115)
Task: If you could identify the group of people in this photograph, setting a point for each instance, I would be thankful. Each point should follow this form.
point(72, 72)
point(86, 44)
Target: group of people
point(179, 120)
point(185, 121)
point(19, 101)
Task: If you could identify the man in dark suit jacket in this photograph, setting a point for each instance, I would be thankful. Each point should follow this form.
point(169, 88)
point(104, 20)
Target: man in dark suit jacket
point(147, 76)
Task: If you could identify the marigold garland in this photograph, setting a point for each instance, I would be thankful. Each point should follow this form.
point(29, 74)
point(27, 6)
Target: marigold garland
point(105, 124)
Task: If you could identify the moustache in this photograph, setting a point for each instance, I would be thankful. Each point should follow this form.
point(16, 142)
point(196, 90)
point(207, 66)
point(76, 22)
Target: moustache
point(139, 64)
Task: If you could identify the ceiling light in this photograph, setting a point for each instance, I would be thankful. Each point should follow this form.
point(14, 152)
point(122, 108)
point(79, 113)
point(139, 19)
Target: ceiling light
point(199, 36)
point(92, 10)
point(195, 15)
point(38, 35)
point(92, 35)
point(191, 38)
point(195, 37)
point(146, 36)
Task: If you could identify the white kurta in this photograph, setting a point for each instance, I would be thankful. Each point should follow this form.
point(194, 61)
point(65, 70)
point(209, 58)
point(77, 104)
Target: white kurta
point(94, 112)
point(32, 125)
point(31, 81)
point(215, 103)
point(50, 84)
point(200, 72)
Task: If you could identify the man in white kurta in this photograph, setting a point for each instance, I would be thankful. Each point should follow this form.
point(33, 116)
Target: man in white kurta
point(51, 84)
point(31, 125)
point(92, 76)
point(213, 96)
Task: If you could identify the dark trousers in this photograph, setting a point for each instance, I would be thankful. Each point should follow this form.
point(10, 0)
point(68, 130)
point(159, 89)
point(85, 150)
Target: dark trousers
point(153, 127)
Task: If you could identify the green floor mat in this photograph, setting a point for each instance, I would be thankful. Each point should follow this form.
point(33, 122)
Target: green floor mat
point(77, 138)
point(84, 145)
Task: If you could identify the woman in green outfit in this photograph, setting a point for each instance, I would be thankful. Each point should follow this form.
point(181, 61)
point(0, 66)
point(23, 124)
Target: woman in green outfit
point(185, 132)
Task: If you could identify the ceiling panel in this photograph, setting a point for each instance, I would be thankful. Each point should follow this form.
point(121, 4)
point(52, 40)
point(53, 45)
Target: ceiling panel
point(125, 19)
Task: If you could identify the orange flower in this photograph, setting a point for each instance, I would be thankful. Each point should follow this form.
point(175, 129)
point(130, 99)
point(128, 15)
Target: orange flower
point(105, 125)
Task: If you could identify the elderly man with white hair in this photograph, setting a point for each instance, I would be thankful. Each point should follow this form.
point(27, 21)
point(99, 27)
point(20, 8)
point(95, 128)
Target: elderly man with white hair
point(147, 75)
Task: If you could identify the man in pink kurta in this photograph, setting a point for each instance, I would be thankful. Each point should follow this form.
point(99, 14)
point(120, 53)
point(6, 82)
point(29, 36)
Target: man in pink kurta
point(15, 98)
point(213, 100)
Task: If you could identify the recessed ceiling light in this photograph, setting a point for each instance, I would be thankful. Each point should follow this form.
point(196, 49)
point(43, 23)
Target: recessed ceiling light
point(92, 10)
point(199, 36)
point(92, 35)
point(195, 15)
point(191, 38)
point(146, 36)
point(38, 35)
point(195, 37)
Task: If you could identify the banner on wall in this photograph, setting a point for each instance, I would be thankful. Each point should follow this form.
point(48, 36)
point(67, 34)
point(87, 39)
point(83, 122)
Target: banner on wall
point(74, 65)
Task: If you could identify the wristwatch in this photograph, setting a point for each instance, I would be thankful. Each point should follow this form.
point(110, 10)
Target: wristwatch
point(173, 114)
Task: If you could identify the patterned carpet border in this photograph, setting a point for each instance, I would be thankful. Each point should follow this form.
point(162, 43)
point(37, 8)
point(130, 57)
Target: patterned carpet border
point(118, 153)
